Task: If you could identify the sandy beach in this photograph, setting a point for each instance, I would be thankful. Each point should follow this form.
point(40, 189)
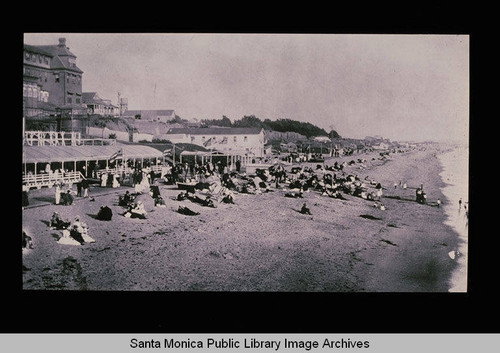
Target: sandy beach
point(259, 244)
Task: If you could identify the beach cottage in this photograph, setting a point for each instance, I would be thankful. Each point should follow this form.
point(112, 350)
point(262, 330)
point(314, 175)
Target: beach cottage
point(230, 141)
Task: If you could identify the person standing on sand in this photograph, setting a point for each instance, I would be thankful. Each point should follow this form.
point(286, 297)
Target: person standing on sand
point(58, 193)
point(85, 187)
point(25, 194)
point(104, 179)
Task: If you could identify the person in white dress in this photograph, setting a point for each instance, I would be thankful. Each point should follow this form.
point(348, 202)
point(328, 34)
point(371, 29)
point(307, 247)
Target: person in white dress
point(58, 193)
point(115, 181)
point(104, 179)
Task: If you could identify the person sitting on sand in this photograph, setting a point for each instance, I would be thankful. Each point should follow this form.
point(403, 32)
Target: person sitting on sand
point(159, 201)
point(294, 194)
point(207, 202)
point(76, 230)
point(67, 198)
point(136, 211)
point(126, 199)
point(85, 233)
point(27, 241)
point(56, 222)
point(186, 211)
point(154, 191)
point(182, 196)
point(305, 209)
point(105, 214)
point(228, 197)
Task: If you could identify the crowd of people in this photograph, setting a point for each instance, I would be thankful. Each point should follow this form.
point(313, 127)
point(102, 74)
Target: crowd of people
point(214, 183)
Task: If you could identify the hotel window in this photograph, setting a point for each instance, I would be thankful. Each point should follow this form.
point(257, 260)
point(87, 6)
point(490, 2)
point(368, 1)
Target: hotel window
point(70, 100)
point(78, 100)
point(234, 139)
point(27, 55)
point(57, 77)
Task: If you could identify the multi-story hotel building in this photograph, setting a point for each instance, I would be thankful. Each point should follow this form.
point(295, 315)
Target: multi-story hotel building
point(51, 79)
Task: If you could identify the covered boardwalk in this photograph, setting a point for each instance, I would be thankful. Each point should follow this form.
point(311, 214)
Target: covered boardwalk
point(41, 164)
point(210, 156)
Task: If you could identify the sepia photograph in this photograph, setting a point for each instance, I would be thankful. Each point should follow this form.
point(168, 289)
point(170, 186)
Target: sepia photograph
point(245, 162)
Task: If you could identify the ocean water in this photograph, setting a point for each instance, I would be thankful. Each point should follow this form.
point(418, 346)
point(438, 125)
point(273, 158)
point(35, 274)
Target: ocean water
point(455, 174)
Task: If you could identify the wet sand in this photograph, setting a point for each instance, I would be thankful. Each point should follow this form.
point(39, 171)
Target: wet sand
point(259, 244)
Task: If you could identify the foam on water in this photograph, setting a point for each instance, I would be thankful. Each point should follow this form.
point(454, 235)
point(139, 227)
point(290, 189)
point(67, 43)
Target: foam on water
point(456, 176)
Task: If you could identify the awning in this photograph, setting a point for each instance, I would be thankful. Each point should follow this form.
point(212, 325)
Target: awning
point(46, 154)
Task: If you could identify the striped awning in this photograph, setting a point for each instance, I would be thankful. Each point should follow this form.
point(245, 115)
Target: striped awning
point(40, 154)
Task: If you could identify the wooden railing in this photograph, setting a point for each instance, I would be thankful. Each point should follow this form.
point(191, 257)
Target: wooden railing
point(40, 180)
point(61, 138)
point(126, 170)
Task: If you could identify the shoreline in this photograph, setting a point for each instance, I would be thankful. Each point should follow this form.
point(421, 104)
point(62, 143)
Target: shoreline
point(260, 244)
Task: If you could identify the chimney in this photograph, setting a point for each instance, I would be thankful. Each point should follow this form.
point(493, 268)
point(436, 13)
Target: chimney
point(62, 42)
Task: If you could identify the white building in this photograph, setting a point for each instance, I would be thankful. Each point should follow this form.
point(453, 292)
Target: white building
point(162, 115)
point(98, 105)
point(231, 141)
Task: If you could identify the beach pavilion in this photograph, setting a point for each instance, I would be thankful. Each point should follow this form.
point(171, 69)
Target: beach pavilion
point(40, 162)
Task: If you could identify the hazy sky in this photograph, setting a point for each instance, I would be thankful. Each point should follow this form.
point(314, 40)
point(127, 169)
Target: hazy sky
point(403, 87)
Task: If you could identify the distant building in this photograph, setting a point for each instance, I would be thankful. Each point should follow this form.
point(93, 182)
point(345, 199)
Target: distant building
point(237, 141)
point(51, 80)
point(150, 115)
point(99, 106)
point(322, 139)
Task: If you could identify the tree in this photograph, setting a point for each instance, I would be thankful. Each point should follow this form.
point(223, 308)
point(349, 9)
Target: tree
point(333, 134)
point(248, 121)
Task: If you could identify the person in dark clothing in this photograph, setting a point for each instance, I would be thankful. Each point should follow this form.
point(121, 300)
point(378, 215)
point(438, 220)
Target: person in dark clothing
point(66, 198)
point(186, 211)
point(155, 191)
point(85, 187)
point(105, 214)
point(228, 199)
point(125, 200)
point(238, 165)
point(305, 209)
point(27, 241)
point(57, 222)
